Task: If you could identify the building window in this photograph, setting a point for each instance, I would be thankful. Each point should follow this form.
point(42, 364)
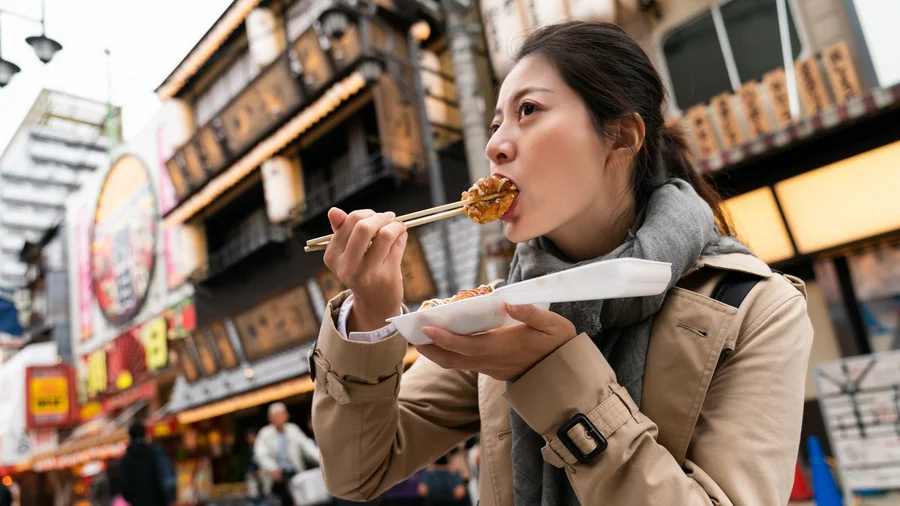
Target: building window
point(698, 61)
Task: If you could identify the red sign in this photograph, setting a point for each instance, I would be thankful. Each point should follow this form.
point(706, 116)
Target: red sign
point(50, 397)
point(126, 362)
point(129, 397)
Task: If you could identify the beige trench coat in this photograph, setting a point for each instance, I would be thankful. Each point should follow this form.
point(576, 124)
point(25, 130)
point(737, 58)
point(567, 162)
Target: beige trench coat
point(720, 420)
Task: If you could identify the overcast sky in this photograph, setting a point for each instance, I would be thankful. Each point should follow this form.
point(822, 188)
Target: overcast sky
point(147, 38)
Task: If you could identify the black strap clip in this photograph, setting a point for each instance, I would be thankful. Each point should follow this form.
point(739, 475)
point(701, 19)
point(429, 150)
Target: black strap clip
point(563, 435)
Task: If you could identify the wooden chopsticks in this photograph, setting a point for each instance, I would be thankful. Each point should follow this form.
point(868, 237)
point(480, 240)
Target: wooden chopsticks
point(411, 220)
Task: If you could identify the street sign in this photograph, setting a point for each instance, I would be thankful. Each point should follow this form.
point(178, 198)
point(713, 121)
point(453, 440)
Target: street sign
point(860, 402)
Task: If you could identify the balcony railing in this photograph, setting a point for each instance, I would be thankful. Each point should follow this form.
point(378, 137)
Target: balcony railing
point(255, 233)
point(322, 197)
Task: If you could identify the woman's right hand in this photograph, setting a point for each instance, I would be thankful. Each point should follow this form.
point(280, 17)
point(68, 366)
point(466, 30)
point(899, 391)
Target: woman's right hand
point(371, 272)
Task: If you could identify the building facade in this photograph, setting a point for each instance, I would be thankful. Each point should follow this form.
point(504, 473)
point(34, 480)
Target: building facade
point(59, 144)
point(289, 113)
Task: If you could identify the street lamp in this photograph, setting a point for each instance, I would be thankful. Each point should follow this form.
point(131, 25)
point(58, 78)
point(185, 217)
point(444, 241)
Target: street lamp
point(7, 70)
point(44, 47)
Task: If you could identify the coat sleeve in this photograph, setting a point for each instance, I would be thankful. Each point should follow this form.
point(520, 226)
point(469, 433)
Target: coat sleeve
point(374, 431)
point(743, 449)
point(264, 458)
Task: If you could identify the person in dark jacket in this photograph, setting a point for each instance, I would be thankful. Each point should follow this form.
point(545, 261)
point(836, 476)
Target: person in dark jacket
point(5, 496)
point(139, 474)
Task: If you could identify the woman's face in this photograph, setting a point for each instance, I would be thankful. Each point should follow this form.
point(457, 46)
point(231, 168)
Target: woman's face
point(544, 141)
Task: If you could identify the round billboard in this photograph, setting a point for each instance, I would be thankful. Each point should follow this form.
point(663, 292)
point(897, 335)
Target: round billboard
point(123, 240)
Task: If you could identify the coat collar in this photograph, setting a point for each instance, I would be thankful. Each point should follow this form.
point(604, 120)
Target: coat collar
point(739, 262)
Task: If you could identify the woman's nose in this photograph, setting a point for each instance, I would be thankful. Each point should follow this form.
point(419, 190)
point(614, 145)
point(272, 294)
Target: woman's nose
point(500, 149)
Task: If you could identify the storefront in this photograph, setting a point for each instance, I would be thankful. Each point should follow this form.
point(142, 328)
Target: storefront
point(37, 401)
point(303, 116)
point(128, 304)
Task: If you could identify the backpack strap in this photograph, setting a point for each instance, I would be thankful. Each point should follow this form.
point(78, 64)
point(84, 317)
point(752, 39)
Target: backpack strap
point(733, 288)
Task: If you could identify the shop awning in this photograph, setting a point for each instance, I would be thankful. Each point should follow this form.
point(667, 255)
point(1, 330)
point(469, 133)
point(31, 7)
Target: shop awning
point(254, 397)
point(97, 439)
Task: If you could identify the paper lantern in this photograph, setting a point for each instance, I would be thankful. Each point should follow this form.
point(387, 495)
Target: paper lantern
point(283, 188)
point(265, 36)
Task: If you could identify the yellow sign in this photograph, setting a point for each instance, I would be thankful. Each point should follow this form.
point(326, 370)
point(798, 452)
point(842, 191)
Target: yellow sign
point(96, 374)
point(90, 410)
point(49, 396)
point(154, 335)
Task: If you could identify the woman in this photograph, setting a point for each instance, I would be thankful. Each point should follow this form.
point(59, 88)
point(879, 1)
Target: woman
point(675, 399)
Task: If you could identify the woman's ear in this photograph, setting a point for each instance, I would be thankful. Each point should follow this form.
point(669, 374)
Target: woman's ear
point(631, 131)
point(628, 138)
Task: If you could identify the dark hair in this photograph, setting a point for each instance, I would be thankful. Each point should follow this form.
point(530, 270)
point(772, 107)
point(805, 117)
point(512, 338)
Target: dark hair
point(137, 430)
point(616, 79)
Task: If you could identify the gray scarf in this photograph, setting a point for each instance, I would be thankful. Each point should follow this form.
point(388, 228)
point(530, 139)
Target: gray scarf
point(676, 226)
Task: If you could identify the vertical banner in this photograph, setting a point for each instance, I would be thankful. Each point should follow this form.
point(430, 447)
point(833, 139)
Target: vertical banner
point(723, 107)
point(83, 255)
point(698, 117)
point(812, 88)
point(167, 200)
point(753, 111)
point(165, 150)
point(776, 82)
point(154, 337)
point(841, 73)
point(96, 373)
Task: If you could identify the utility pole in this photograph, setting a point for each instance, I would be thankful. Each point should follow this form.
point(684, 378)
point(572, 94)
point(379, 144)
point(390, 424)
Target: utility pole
point(471, 106)
point(435, 174)
point(112, 124)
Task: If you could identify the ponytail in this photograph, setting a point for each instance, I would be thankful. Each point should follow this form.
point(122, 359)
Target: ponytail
point(675, 156)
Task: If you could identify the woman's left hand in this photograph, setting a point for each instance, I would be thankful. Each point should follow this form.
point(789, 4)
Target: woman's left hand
point(504, 354)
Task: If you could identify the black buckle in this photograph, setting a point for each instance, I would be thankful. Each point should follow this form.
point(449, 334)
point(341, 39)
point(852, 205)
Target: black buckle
point(563, 435)
point(310, 362)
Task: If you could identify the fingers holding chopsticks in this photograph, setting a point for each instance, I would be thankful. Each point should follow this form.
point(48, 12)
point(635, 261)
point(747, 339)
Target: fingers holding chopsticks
point(343, 229)
point(365, 254)
point(383, 242)
point(364, 232)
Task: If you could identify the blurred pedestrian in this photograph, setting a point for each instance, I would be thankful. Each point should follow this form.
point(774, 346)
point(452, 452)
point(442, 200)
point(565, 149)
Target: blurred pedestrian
point(406, 493)
point(254, 484)
point(6, 497)
point(282, 450)
point(114, 473)
point(443, 484)
point(141, 480)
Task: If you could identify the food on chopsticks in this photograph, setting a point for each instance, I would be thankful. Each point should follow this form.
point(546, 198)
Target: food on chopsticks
point(465, 294)
point(485, 211)
point(487, 200)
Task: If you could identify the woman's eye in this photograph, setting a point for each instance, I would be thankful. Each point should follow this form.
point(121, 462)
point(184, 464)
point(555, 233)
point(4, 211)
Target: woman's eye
point(527, 109)
point(493, 129)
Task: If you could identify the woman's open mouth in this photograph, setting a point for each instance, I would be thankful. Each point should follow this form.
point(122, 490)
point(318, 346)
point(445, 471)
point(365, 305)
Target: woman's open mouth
point(509, 212)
